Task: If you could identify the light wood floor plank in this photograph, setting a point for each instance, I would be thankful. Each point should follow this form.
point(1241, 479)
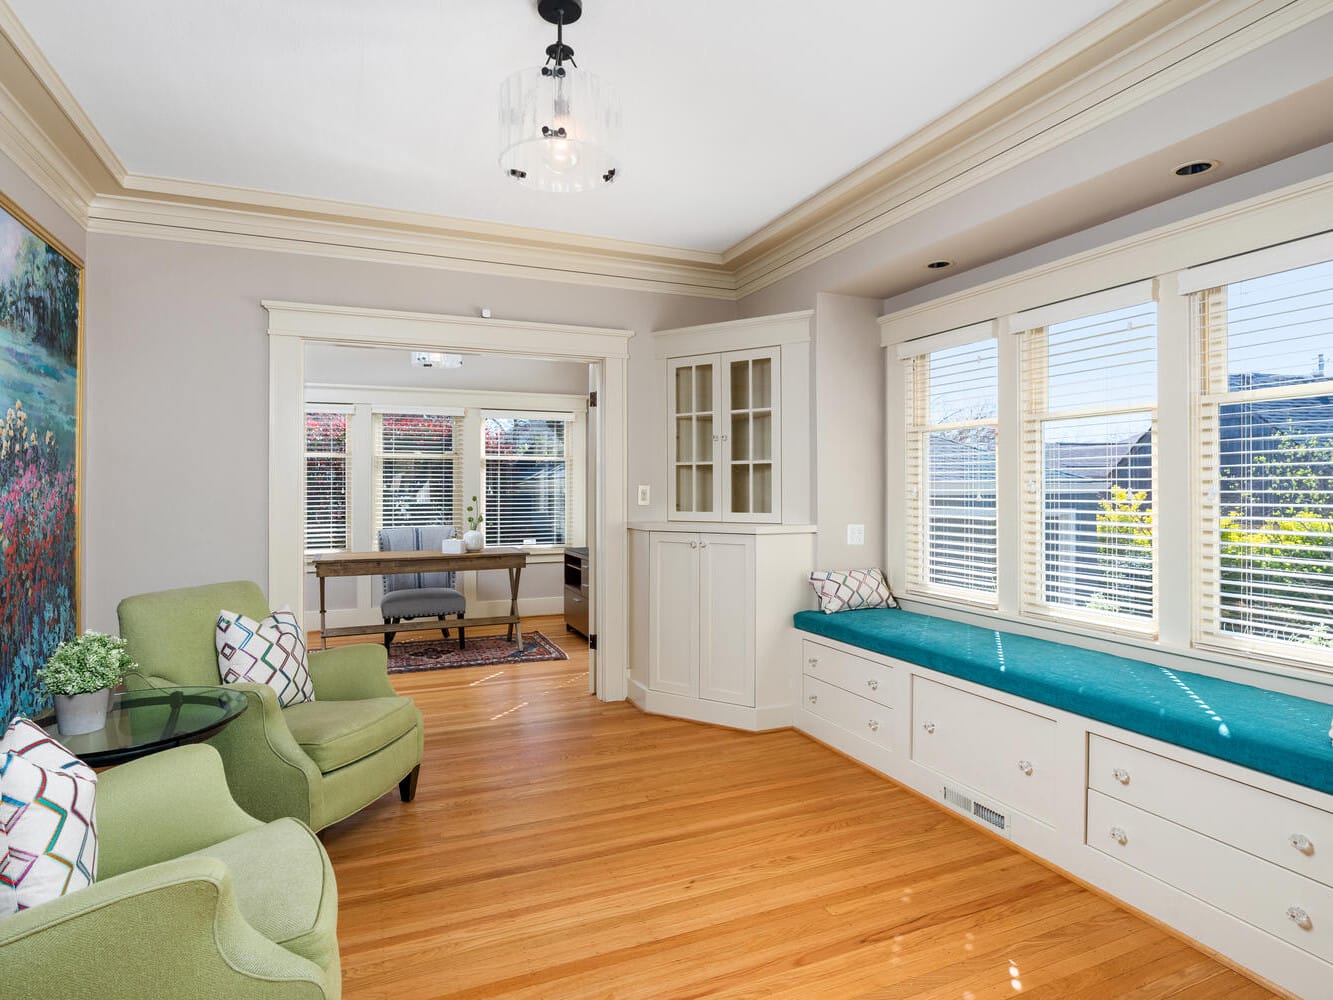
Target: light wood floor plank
point(563, 848)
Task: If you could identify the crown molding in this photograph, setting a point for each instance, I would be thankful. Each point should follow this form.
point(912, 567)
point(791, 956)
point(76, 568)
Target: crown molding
point(1070, 89)
point(1137, 51)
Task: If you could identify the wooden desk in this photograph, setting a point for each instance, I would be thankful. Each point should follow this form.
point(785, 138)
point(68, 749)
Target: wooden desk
point(388, 563)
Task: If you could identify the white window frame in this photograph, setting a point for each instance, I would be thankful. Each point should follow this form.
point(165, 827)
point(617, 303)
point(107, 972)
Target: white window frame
point(457, 458)
point(346, 412)
point(573, 489)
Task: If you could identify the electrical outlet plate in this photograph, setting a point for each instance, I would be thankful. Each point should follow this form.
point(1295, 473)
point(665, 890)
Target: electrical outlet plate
point(856, 534)
point(643, 496)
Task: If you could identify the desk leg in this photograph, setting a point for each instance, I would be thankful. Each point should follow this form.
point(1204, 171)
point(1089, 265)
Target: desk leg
point(323, 637)
point(515, 631)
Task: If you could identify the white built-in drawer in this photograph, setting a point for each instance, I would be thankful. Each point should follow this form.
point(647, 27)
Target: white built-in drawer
point(1295, 909)
point(1289, 833)
point(859, 716)
point(849, 672)
point(1000, 751)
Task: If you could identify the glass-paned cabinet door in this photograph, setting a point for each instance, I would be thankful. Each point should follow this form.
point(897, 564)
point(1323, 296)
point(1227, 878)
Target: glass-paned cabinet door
point(696, 431)
point(751, 486)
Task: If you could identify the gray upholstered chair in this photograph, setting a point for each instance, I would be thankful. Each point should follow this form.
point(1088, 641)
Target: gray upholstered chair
point(419, 595)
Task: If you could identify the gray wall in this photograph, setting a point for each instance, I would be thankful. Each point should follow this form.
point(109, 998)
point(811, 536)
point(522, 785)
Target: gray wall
point(177, 399)
point(332, 364)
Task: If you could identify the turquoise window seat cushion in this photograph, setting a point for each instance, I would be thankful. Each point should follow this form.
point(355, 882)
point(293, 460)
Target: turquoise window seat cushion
point(1278, 734)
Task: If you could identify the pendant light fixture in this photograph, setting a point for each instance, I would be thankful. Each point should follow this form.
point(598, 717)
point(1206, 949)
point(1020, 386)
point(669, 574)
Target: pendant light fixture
point(558, 122)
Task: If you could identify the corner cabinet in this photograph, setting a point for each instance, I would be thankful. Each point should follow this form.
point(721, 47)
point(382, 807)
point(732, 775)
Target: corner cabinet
point(711, 636)
point(725, 416)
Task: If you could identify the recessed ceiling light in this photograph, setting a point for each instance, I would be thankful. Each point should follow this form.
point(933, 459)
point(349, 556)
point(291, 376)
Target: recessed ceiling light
point(935, 265)
point(1195, 167)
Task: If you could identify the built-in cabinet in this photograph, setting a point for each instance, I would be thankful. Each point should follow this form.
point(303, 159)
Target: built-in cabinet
point(1238, 860)
point(725, 415)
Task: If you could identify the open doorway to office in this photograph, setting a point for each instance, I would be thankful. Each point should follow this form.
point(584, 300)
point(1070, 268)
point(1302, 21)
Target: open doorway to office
point(523, 380)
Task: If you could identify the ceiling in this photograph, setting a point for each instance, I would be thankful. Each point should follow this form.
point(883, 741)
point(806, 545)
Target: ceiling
point(735, 112)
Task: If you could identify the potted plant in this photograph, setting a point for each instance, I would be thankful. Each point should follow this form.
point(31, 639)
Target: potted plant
point(80, 674)
point(473, 539)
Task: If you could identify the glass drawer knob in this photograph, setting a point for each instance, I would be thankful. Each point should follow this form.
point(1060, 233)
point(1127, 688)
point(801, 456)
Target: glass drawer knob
point(1298, 916)
point(1025, 766)
point(1119, 835)
point(873, 726)
point(929, 727)
point(1121, 775)
point(872, 684)
point(1302, 843)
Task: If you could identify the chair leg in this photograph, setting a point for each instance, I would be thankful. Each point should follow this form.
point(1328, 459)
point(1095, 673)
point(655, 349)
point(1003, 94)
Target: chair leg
point(444, 631)
point(407, 788)
point(388, 636)
point(462, 639)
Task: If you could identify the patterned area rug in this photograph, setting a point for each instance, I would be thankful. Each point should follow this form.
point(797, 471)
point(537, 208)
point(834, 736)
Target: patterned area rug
point(443, 654)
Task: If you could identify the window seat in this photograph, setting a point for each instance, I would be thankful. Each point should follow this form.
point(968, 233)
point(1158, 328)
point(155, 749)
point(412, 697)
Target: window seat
point(1277, 734)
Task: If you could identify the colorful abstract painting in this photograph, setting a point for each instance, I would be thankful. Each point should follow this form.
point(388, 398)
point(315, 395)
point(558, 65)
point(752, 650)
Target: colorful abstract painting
point(39, 455)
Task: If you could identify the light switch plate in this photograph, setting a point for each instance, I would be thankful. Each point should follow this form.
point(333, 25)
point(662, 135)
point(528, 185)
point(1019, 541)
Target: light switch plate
point(856, 534)
point(643, 496)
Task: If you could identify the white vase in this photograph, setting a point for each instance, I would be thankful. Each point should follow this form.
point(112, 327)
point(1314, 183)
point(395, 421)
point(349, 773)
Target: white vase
point(82, 713)
point(473, 540)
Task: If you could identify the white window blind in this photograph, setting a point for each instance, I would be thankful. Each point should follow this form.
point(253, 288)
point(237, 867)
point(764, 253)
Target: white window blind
point(325, 480)
point(1266, 475)
point(952, 400)
point(526, 476)
point(1089, 474)
point(417, 477)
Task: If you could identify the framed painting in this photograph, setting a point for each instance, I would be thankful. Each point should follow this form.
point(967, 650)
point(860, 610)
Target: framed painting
point(41, 345)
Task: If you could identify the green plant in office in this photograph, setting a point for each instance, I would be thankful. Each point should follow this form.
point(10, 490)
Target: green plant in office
point(473, 516)
point(89, 662)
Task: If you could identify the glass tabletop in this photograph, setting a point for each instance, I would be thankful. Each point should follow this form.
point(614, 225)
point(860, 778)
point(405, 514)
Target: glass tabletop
point(142, 722)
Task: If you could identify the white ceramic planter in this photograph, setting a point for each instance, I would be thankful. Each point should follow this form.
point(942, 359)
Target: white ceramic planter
point(473, 540)
point(82, 713)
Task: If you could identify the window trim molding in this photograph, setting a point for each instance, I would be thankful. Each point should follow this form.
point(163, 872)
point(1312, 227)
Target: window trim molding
point(292, 325)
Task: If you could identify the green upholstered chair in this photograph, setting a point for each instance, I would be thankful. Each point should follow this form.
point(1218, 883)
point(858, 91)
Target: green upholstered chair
point(193, 898)
point(320, 761)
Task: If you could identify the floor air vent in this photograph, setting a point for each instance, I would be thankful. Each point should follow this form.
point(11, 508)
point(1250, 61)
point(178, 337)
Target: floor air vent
point(967, 804)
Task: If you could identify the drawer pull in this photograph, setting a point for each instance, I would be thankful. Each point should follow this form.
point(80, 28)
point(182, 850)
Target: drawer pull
point(1121, 775)
point(1025, 766)
point(814, 699)
point(872, 684)
point(928, 727)
point(873, 725)
point(1298, 916)
point(1119, 835)
point(1302, 843)
point(814, 662)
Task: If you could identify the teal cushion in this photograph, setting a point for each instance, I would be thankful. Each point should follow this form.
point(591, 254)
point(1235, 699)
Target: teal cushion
point(1275, 733)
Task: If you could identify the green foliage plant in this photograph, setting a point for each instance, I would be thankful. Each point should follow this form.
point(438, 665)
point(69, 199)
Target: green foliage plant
point(89, 662)
point(474, 518)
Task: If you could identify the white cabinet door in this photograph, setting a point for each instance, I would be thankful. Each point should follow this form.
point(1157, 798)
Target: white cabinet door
point(673, 630)
point(751, 439)
point(696, 426)
point(726, 613)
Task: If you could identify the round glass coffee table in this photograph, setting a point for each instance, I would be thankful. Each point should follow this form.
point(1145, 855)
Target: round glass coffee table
point(143, 722)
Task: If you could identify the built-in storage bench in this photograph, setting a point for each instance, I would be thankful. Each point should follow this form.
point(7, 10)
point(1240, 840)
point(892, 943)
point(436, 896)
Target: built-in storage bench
point(1205, 803)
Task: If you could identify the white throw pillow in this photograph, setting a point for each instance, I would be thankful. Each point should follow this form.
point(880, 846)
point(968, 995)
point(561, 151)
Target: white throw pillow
point(270, 652)
point(47, 813)
point(850, 589)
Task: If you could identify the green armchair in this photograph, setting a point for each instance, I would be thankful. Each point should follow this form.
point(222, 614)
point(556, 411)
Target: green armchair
point(319, 762)
point(193, 898)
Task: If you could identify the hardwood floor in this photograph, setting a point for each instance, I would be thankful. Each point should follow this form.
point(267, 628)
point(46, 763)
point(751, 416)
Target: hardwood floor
point(560, 847)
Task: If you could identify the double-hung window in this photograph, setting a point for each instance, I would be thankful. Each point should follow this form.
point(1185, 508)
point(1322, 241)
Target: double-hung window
point(1088, 471)
point(326, 521)
point(417, 475)
point(952, 401)
point(525, 472)
point(1265, 438)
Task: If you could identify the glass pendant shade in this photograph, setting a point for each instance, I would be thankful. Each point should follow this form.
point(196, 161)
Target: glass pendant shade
point(557, 132)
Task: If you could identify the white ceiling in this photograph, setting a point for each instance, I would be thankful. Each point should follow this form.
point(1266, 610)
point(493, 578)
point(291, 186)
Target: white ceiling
point(735, 110)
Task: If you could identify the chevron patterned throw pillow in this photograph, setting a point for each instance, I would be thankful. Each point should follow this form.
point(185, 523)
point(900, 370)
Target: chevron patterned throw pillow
point(270, 652)
point(46, 819)
point(850, 589)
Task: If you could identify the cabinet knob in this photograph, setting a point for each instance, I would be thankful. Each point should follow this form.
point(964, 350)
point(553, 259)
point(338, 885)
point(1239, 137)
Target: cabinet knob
point(872, 684)
point(1121, 775)
point(928, 727)
point(1025, 766)
point(703, 545)
point(873, 725)
point(1298, 916)
point(724, 437)
point(814, 662)
point(694, 545)
point(814, 699)
point(1302, 843)
point(1119, 835)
